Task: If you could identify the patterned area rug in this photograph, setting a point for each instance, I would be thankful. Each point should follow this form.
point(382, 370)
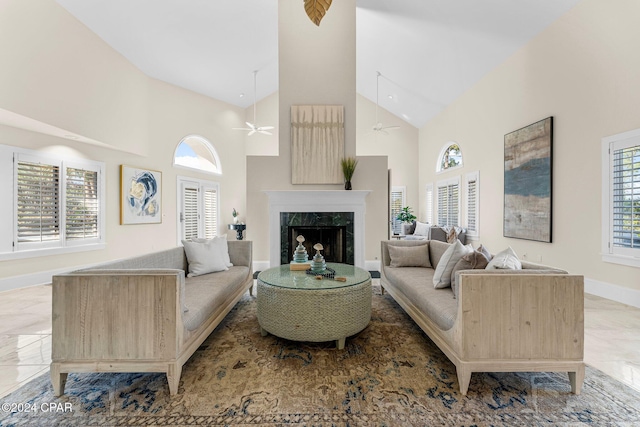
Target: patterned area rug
point(390, 374)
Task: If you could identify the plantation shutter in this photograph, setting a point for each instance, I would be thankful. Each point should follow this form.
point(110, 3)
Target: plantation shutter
point(190, 213)
point(472, 205)
point(210, 213)
point(429, 204)
point(448, 204)
point(626, 196)
point(396, 202)
point(81, 204)
point(38, 197)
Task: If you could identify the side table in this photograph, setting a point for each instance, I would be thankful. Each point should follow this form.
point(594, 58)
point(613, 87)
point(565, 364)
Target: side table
point(239, 229)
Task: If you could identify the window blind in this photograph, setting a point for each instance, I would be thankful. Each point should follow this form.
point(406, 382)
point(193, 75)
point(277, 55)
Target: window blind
point(82, 205)
point(626, 197)
point(448, 204)
point(397, 197)
point(210, 213)
point(190, 213)
point(429, 204)
point(38, 214)
point(472, 206)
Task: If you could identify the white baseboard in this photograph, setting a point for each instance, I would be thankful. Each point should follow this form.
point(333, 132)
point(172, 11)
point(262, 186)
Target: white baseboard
point(28, 280)
point(260, 265)
point(613, 292)
point(372, 265)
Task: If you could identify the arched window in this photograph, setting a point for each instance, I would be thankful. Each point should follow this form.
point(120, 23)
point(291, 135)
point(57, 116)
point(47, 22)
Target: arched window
point(450, 157)
point(195, 152)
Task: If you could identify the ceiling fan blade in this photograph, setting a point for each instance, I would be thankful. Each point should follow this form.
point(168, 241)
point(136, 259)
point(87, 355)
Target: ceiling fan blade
point(391, 127)
point(251, 125)
point(266, 127)
point(252, 132)
point(264, 132)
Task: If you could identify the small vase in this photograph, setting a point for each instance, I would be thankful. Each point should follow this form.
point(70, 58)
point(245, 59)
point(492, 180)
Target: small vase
point(235, 219)
point(347, 185)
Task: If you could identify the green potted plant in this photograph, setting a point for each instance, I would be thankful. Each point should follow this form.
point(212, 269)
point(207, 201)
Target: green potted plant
point(348, 168)
point(406, 215)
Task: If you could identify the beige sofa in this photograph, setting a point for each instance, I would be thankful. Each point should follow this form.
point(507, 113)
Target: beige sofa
point(129, 315)
point(529, 320)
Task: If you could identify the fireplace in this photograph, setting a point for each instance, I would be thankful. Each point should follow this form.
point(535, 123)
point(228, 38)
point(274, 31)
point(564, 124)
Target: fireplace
point(313, 208)
point(334, 230)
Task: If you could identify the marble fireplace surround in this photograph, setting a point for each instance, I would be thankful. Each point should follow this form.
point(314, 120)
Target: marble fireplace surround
point(317, 201)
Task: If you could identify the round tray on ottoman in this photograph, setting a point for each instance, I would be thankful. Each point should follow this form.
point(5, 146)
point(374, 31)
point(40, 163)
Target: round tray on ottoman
point(297, 306)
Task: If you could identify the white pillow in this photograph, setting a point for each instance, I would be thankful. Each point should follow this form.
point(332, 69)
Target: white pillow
point(442, 275)
point(223, 246)
point(507, 260)
point(422, 229)
point(204, 257)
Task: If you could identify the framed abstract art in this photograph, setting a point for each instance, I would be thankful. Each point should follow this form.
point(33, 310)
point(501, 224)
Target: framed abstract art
point(527, 182)
point(140, 196)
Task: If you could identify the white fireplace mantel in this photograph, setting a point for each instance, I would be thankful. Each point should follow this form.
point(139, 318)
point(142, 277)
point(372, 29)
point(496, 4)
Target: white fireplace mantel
point(317, 201)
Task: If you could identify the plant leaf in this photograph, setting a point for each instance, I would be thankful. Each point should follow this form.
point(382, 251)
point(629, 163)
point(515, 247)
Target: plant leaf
point(316, 9)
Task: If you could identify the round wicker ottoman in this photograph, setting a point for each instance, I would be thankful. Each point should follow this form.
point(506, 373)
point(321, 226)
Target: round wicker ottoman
point(295, 306)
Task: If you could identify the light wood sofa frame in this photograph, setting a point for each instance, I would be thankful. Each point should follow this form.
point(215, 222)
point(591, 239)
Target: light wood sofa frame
point(129, 322)
point(509, 323)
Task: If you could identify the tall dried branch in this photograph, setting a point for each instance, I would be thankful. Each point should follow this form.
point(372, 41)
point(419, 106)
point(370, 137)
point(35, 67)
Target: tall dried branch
point(316, 9)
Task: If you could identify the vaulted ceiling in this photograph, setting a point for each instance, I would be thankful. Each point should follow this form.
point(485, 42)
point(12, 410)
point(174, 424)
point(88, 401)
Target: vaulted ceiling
point(428, 51)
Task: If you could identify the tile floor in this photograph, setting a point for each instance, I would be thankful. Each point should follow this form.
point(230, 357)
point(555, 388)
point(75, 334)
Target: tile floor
point(612, 337)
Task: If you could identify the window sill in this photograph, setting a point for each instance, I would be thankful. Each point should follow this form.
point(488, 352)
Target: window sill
point(51, 251)
point(622, 259)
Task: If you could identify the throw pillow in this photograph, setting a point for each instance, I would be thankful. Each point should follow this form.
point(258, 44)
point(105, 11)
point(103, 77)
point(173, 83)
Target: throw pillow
point(223, 246)
point(204, 257)
point(486, 252)
point(422, 229)
point(442, 275)
point(474, 260)
point(506, 259)
point(409, 256)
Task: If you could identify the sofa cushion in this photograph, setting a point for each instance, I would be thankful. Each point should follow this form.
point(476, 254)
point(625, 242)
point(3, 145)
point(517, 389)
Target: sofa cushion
point(205, 257)
point(442, 275)
point(506, 259)
point(436, 250)
point(223, 246)
point(416, 284)
point(470, 261)
point(422, 229)
point(409, 256)
point(206, 293)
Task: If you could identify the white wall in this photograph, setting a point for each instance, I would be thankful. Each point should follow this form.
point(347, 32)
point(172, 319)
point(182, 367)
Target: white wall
point(400, 146)
point(58, 72)
point(583, 70)
point(314, 71)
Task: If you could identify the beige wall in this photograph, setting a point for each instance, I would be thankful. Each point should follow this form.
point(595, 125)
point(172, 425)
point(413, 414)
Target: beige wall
point(583, 70)
point(313, 71)
point(69, 78)
point(400, 146)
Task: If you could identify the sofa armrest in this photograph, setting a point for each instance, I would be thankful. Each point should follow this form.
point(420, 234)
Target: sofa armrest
point(241, 252)
point(117, 315)
point(521, 316)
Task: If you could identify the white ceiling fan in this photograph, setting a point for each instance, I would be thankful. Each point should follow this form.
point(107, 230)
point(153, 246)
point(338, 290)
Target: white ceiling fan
point(378, 127)
point(253, 127)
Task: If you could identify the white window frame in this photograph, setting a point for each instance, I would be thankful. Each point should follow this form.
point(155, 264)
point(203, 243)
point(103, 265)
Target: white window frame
point(403, 191)
point(428, 204)
point(206, 145)
point(9, 246)
point(447, 183)
point(472, 177)
point(201, 185)
point(439, 169)
point(624, 256)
